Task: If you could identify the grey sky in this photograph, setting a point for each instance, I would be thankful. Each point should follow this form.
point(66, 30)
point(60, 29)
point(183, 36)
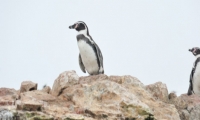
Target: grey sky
point(145, 39)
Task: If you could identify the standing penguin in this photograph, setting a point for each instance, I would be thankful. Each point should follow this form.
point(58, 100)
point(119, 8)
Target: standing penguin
point(90, 56)
point(195, 73)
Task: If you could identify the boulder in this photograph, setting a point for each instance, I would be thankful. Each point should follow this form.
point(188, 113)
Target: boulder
point(159, 91)
point(64, 80)
point(116, 97)
point(8, 96)
point(172, 95)
point(28, 86)
point(33, 100)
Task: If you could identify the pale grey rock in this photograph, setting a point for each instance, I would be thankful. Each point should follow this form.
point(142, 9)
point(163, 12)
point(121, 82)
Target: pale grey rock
point(6, 114)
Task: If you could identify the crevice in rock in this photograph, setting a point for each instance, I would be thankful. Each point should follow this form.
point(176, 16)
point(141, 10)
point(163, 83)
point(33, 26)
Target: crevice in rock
point(31, 89)
point(90, 113)
point(130, 118)
point(61, 91)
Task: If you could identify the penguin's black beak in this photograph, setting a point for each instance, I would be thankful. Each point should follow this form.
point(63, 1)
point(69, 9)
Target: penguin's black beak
point(190, 50)
point(72, 26)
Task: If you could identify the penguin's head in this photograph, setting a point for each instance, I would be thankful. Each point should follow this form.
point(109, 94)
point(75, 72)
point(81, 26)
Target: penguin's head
point(195, 51)
point(79, 26)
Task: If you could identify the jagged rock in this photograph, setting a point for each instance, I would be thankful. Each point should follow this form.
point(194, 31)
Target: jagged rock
point(64, 80)
point(28, 86)
point(159, 91)
point(8, 96)
point(46, 89)
point(116, 97)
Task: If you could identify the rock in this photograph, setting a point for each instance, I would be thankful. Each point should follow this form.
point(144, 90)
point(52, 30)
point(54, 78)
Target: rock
point(38, 95)
point(73, 117)
point(184, 114)
point(179, 102)
point(93, 78)
point(172, 95)
point(37, 116)
point(33, 100)
point(127, 80)
point(46, 89)
point(187, 106)
point(99, 97)
point(116, 97)
point(195, 113)
point(159, 91)
point(8, 96)
point(28, 86)
point(30, 115)
point(185, 102)
point(7, 91)
point(6, 114)
point(64, 80)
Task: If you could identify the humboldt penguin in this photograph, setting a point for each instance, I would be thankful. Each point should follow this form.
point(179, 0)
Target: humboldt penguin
point(90, 56)
point(194, 87)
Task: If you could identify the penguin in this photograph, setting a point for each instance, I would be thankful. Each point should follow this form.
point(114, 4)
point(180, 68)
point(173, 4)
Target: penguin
point(194, 87)
point(90, 56)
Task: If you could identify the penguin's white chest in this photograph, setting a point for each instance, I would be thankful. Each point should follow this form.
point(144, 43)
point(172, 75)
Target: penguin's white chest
point(196, 80)
point(88, 57)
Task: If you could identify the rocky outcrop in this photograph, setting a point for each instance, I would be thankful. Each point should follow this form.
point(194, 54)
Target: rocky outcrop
point(116, 97)
point(97, 97)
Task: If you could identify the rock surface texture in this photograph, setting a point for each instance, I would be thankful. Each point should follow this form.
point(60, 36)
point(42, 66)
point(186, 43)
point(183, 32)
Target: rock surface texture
point(159, 91)
point(98, 97)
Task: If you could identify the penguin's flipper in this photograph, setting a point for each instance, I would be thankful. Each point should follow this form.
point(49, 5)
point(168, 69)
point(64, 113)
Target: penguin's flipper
point(190, 90)
point(81, 64)
point(100, 58)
